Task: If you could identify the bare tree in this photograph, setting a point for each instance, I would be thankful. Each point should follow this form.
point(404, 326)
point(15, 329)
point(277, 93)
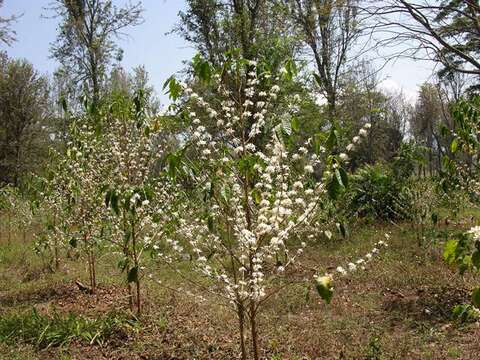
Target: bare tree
point(329, 28)
point(446, 31)
point(85, 44)
point(7, 35)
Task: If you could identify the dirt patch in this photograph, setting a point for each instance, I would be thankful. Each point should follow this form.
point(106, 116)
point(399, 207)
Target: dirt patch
point(425, 304)
point(66, 297)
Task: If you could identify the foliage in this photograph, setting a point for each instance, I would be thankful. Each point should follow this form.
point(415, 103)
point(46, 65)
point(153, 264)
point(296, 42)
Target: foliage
point(462, 171)
point(375, 194)
point(85, 44)
point(23, 113)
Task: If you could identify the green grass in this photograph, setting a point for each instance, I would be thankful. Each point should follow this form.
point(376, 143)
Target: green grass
point(44, 331)
point(375, 314)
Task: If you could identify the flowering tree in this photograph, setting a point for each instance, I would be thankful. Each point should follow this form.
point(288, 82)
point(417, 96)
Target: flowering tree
point(258, 194)
point(135, 192)
point(87, 217)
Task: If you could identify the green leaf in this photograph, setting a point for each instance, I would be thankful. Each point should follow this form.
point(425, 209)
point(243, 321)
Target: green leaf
point(290, 69)
point(476, 297)
point(476, 259)
point(201, 68)
point(174, 88)
point(132, 275)
point(332, 139)
point(339, 178)
point(454, 146)
point(295, 125)
point(343, 176)
point(324, 288)
point(449, 252)
point(334, 188)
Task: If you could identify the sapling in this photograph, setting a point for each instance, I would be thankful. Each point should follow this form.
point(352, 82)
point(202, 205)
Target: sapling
point(257, 193)
point(86, 216)
point(137, 196)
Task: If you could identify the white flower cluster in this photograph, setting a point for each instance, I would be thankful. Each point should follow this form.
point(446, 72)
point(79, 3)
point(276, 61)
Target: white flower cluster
point(357, 140)
point(475, 231)
point(359, 264)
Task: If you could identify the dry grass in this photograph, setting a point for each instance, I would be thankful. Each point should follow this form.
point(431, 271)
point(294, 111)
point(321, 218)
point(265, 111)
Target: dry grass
point(400, 308)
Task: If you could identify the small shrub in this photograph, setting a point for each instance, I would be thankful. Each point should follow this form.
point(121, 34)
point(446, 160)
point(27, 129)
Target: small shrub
point(376, 194)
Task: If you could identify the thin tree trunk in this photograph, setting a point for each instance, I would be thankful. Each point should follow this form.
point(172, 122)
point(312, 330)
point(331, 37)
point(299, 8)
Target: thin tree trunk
point(9, 216)
point(253, 325)
point(241, 328)
point(94, 273)
point(136, 264)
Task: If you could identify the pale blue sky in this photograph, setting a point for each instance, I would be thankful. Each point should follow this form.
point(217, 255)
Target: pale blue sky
point(149, 45)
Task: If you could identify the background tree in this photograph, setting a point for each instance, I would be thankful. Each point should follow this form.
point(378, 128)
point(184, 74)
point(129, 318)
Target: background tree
point(7, 35)
point(362, 101)
point(85, 45)
point(255, 27)
point(127, 84)
point(446, 31)
point(24, 130)
point(425, 123)
point(329, 28)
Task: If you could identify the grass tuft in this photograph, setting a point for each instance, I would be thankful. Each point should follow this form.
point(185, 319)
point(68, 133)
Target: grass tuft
point(44, 331)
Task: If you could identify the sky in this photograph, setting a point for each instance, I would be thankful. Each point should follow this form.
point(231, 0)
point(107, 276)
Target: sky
point(162, 54)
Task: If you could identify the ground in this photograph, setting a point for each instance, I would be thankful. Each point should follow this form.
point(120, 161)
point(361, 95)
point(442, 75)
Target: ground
point(399, 308)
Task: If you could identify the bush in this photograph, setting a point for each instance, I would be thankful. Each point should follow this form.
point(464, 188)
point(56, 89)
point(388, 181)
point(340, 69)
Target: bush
point(376, 193)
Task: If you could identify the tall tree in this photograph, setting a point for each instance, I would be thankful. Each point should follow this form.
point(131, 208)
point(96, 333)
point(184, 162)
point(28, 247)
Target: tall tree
point(425, 122)
point(329, 28)
point(85, 45)
point(255, 27)
point(23, 113)
point(129, 84)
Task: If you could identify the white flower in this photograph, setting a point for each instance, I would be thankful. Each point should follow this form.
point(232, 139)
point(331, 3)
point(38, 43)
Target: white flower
point(363, 132)
point(297, 185)
point(367, 126)
point(475, 231)
point(341, 270)
point(350, 147)
point(352, 266)
point(343, 157)
point(309, 169)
